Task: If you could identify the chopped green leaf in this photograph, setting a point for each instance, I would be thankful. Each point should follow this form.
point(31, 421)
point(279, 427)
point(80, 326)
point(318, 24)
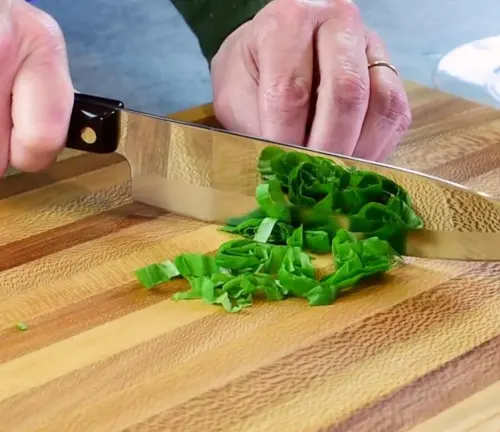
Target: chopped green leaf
point(297, 237)
point(156, 274)
point(272, 201)
point(265, 229)
point(357, 259)
point(317, 241)
point(243, 255)
point(304, 204)
point(195, 265)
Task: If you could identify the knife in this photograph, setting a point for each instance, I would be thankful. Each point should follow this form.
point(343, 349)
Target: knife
point(210, 174)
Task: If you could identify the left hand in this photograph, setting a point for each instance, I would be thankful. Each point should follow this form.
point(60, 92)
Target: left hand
point(299, 73)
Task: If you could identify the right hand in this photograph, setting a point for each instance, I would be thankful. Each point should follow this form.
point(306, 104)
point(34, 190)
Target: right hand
point(299, 73)
point(36, 92)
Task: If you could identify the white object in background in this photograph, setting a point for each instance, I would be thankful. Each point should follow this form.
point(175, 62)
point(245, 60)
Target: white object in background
point(472, 71)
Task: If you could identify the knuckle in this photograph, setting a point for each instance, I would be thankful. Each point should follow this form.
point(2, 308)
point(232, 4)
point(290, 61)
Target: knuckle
point(48, 23)
point(405, 121)
point(351, 92)
point(49, 33)
point(264, 31)
point(288, 94)
point(395, 108)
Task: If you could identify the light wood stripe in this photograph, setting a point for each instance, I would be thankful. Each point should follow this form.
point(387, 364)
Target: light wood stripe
point(478, 162)
point(65, 169)
point(435, 153)
point(62, 203)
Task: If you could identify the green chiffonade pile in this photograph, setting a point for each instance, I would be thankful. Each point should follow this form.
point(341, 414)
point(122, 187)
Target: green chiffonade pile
point(300, 205)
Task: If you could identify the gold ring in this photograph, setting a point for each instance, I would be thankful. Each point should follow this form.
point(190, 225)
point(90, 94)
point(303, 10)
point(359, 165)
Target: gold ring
point(383, 63)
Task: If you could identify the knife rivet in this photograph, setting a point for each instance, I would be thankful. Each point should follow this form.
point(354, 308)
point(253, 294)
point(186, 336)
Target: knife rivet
point(88, 135)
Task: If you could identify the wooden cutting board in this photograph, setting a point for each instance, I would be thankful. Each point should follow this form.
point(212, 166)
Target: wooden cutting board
point(419, 352)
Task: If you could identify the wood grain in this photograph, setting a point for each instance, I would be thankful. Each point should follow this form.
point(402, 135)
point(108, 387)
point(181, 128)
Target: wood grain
point(419, 350)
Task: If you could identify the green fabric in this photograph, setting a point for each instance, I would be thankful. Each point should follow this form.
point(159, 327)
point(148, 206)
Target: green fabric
point(212, 21)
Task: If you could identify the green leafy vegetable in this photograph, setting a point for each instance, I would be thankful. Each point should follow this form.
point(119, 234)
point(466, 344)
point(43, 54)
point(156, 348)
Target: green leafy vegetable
point(240, 256)
point(265, 230)
point(251, 228)
point(156, 274)
point(297, 237)
point(357, 259)
point(195, 265)
point(304, 204)
point(241, 270)
point(317, 241)
point(272, 201)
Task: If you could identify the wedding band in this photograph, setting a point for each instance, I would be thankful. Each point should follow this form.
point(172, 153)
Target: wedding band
point(383, 63)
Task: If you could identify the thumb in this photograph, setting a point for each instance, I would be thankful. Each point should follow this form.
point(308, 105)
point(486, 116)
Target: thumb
point(42, 92)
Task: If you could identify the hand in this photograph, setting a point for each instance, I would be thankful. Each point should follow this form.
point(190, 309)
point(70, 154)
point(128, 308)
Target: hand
point(298, 73)
point(36, 93)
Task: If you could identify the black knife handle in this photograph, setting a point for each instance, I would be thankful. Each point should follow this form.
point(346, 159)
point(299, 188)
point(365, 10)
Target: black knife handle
point(95, 124)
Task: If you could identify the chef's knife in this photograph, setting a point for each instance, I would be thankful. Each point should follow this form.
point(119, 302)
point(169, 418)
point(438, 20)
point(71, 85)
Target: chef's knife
point(210, 174)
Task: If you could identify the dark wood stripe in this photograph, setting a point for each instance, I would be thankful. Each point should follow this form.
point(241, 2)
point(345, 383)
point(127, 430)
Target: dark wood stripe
point(299, 370)
point(81, 316)
point(62, 170)
point(469, 166)
point(413, 404)
point(90, 228)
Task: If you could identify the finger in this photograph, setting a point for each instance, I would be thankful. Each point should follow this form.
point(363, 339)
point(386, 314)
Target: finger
point(388, 116)
point(391, 145)
point(343, 89)
point(5, 128)
point(284, 55)
point(235, 85)
point(42, 93)
point(7, 72)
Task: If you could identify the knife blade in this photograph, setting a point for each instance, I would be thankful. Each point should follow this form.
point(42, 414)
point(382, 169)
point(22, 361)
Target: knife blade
point(211, 174)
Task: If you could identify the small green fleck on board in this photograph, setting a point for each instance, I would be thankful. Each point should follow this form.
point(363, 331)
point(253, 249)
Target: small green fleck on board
point(22, 326)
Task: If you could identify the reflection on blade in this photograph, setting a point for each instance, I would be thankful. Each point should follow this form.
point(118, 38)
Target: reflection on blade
point(453, 245)
point(211, 175)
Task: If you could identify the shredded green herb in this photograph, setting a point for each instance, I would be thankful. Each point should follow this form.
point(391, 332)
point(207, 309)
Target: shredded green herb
point(305, 205)
point(156, 274)
point(22, 326)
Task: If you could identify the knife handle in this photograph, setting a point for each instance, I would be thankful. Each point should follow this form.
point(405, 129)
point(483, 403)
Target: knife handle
point(94, 124)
